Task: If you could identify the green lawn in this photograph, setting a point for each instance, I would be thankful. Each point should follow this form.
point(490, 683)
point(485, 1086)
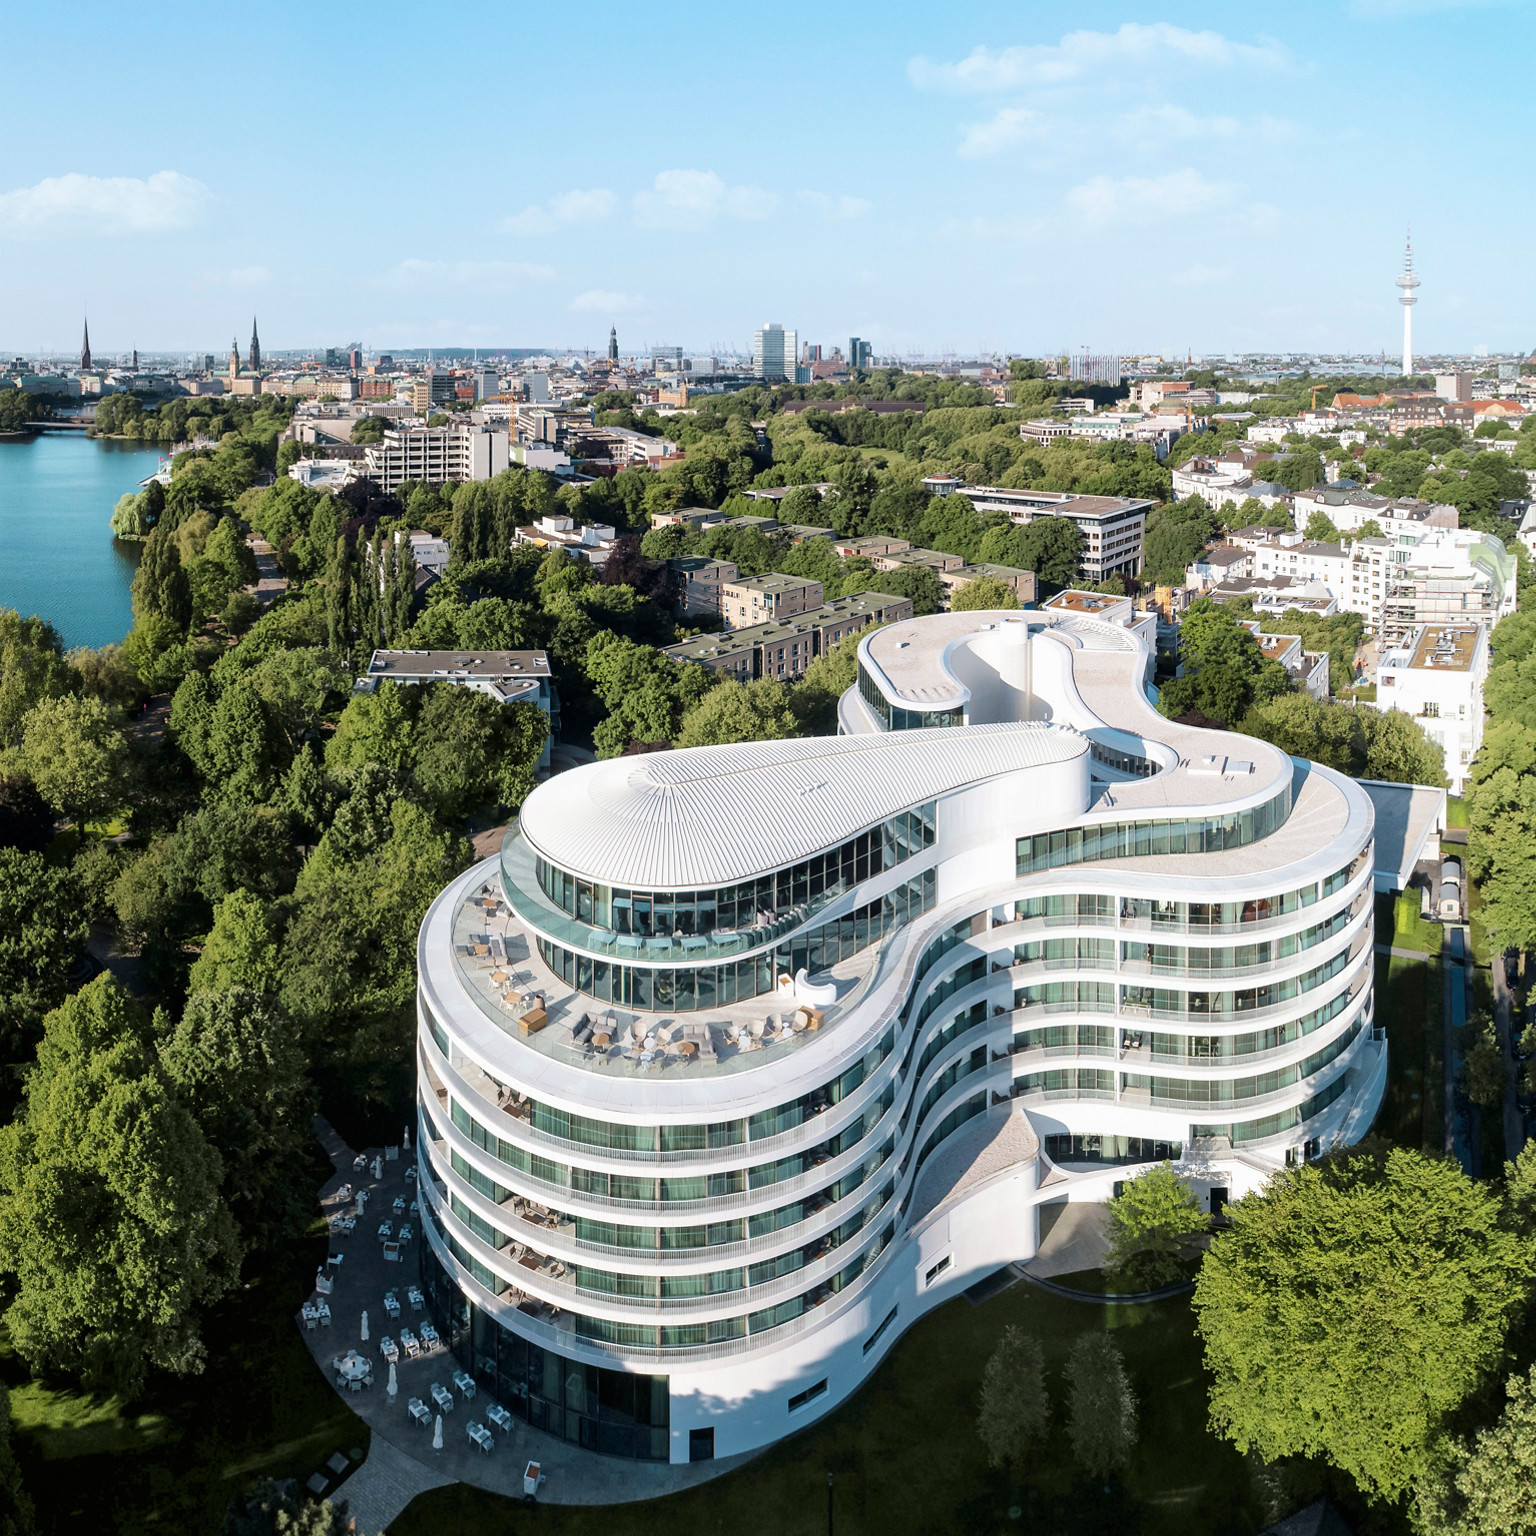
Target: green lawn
point(1455, 811)
point(1409, 929)
point(172, 1462)
point(1409, 1000)
point(907, 1459)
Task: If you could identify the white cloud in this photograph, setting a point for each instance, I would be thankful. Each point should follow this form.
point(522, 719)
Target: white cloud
point(1080, 55)
point(247, 277)
point(1005, 129)
point(835, 208)
point(602, 301)
point(573, 207)
point(685, 199)
point(105, 204)
point(1110, 200)
point(483, 275)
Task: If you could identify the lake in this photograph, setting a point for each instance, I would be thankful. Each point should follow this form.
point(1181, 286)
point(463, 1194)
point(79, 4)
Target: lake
point(57, 554)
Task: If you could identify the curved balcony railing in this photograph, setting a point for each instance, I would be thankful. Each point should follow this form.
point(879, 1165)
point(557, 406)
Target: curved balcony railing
point(555, 1232)
point(550, 1280)
point(561, 1335)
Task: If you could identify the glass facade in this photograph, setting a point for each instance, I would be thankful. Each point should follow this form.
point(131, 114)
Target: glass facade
point(1111, 1149)
point(896, 718)
point(1141, 839)
point(615, 1412)
point(681, 989)
point(732, 908)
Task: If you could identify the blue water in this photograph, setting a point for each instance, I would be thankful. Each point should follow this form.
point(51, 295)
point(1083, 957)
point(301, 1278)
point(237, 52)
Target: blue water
point(57, 554)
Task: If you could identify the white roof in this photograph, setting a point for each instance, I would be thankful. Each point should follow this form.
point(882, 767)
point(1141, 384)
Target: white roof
point(707, 816)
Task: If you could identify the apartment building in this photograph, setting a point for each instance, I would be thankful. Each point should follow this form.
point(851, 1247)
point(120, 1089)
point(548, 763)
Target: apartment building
point(1437, 677)
point(1023, 583)
point(1112, 526)
point(592, 542)
point(697, 581)
point(784, 649)
point(1443, 576)
point(749, 600)
point(1307, 668)
point(1351, 510)
point(458, 452)
point(432, 391)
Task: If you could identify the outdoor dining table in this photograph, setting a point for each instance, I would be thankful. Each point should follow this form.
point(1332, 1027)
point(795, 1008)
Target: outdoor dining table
point(442, 1397)
point(391, 1304)
point(409, 1343)
point(413, 1295)
point(407, 1232)
point(481, 1436)
point(499, 1416)
point(389, 1349)
point(398, 1204)
point(429, 1337)
point(386, 1229)
point(464, 1382)
point(419, 1411)
point(687, 1049)
point(353, 1369)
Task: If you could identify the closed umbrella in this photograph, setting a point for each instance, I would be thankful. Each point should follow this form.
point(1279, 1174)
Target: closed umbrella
point(393, 1386)
point(365, 1328)
point(405, 1138)
point(437, 1434)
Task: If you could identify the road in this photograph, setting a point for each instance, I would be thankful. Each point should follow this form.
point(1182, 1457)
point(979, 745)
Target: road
point(1459, 1135)
point(1509, 1030)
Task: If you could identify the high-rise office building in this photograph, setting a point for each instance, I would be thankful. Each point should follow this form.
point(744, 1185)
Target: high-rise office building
point(861, 354)
point(774, 351)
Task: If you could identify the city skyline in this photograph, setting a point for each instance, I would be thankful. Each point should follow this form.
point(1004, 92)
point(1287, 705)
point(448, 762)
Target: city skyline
point(1220, 189)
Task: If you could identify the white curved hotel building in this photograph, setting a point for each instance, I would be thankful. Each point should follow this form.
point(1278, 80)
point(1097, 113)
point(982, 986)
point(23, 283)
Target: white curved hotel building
point(738, 1059)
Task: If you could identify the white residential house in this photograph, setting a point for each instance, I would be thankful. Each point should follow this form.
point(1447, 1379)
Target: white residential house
point(1437, 677)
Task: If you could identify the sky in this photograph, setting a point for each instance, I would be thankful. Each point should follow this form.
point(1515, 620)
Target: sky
point(960, 178)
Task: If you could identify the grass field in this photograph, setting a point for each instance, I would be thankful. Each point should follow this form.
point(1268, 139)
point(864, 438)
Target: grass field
point(906, 1457)
point(173, 1461)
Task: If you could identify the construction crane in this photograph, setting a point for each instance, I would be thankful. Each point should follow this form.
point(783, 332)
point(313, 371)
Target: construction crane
point(1315, 389)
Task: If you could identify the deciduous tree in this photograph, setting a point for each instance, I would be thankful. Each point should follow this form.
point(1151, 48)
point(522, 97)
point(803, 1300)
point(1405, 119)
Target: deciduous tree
point(1353, 1305)
point(1151, 1222)
point(74, 752)
point(1014, 1407)
point(1102, 1406)
point(112, 1227)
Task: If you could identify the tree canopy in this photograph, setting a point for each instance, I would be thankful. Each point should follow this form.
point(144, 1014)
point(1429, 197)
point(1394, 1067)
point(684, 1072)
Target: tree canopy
point(1353, 1305)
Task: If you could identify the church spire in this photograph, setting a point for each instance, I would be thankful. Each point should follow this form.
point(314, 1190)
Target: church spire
point(85, 347)
point(613, 344)
point(255, 348)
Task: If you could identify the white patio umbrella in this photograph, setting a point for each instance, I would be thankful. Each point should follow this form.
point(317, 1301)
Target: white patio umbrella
point(405, 1138)
point(365, 1328)
point(437, 1434)
point(393, 1386)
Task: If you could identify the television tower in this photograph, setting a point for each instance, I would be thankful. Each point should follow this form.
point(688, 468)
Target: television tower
point(1408, 282)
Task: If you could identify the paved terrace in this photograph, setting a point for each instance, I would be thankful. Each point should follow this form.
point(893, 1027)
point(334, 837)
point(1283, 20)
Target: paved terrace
point(401, 1462)
point(502, 971)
